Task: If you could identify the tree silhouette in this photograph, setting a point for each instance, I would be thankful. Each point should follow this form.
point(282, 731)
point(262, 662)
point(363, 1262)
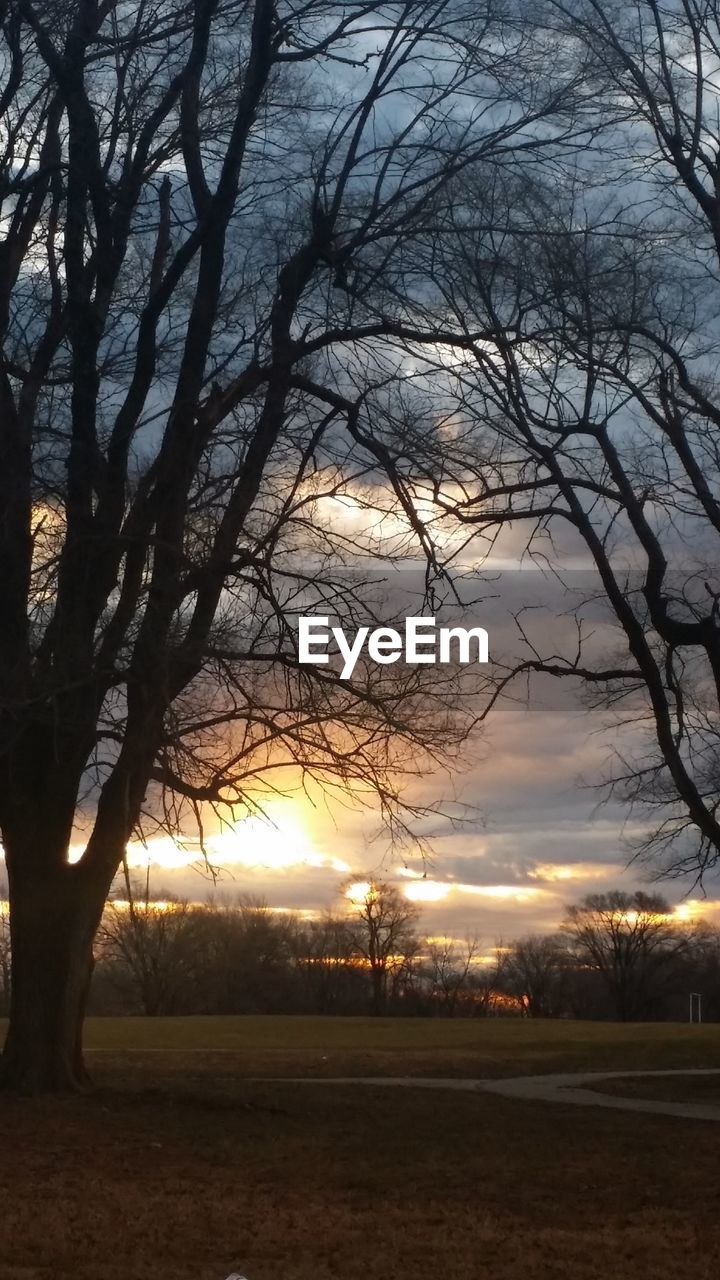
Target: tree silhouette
point(192, 450)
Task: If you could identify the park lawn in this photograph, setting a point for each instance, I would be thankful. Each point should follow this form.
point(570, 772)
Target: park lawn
point(666, 1089)
point(311, 1046)
point(190, 1178)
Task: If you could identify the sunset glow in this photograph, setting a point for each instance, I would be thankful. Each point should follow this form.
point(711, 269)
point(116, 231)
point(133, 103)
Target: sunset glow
point(427, 890)
point(357, 892)
point(424, 890)
point(285, 839)
point(272, 841)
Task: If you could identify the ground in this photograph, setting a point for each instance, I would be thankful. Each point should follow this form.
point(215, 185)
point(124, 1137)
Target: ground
point(673, 1089)
point(281, 1046)
point(179, 1167)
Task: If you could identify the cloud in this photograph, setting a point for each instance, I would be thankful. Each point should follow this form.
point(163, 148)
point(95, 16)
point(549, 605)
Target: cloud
point(532, 838)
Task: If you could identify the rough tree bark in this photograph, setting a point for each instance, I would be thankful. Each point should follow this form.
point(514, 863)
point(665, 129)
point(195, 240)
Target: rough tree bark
point(52, 931)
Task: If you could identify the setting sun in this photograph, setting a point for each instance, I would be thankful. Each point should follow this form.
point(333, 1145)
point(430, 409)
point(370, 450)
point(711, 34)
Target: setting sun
point(272, 841)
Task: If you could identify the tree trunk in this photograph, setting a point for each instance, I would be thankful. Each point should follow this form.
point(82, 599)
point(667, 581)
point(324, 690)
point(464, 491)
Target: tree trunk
point(379, 991)
point(53, 924)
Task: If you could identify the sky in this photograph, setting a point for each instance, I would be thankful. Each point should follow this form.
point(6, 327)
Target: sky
point(533, 837)
point(537, 842)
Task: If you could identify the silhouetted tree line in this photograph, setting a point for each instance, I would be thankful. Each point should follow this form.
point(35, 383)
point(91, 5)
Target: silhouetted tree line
point(617, 956)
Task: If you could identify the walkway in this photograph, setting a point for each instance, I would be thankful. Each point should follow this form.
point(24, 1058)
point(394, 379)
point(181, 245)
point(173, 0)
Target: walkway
point(565, 1089)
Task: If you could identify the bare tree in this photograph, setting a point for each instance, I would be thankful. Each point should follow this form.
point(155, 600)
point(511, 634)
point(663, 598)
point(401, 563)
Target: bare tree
point(487, 981)
point(583, 425)
point(242, 957)
point(701, 969)
point(148, 953)
point(631, 941)
point(534, 971)
point(384, 931)
point(208, 209)
point(449, 965)
point(327, 957)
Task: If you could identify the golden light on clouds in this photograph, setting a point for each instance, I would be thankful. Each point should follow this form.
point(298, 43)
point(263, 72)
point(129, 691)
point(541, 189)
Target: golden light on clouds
point(505, 892)
point(423, 889)
point(162, 852)
point(275, 840)
point(357, 892)
point(427, 890)
point(552, 872)
point(288, 839)
point(695, 909)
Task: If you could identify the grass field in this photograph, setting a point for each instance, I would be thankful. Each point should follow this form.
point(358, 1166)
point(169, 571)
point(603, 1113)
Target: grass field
point(277, 1046)
point(179, 1168)
point(668, 1089)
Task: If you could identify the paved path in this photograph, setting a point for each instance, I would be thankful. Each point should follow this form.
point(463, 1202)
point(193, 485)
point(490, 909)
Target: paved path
point(564, 1089)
